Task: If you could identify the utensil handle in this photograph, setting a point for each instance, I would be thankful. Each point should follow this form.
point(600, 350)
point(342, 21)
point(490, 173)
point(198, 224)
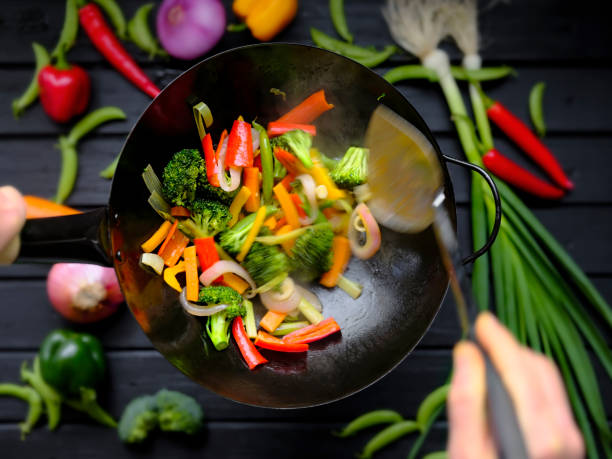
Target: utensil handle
point(498, 209)
point(81, 237)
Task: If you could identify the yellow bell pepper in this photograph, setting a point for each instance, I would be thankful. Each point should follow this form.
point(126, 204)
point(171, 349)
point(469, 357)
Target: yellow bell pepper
point(265, 18)
point(170, 275)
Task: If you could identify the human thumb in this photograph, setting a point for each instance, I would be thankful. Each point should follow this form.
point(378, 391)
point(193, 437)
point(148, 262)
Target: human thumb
point(12, 218)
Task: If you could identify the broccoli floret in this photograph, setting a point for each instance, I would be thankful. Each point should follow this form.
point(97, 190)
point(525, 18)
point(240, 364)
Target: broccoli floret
point(329, 163)
point(297, 142)
point(218, 324)
point(182, 175)
point(352, 169)
point(265, 262)
point(178, 412)
point(138, 419)
point(311, 254)
point(231, 240)
point(206, 220)
point(219, 294)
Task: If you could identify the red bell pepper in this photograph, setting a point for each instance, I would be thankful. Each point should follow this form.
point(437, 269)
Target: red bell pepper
point(276, 128)
point(248, 350)
point(313, 332)
point(257, 163)
point(292, 164)
point(298, 205)
point(272, 343)
point(64, 89)
point(240, 145)
point(212, 167)
point(207, 254)
point(514, 174)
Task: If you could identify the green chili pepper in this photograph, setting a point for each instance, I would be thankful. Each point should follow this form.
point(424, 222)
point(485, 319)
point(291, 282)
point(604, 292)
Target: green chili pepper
point(535, 108)
point(114, 13)
point(34, 400)
point(140, 32)
point(322, 40)
point(70, 29)
point(68, 147)
point(31, 93)
point(109, 171)
point(428, 406)
point(411, 72)
point(370, 419)
point(267, 163)
point(50, 397)
point(336, 10)
point(387, 436)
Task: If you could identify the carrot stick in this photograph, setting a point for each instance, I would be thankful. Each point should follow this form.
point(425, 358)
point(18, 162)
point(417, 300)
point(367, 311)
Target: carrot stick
point(252, 182)
point(271, 320)
point(298, 205)
point(287, 245)
point(158, 237)
point(180, 211)
point(42, 208)
point(287, 205)
point(341, 254)
point(236, 206)
point(271, 223)
point(308, 110)
point(191, 274)
point(276, 128)
point(175, 248)
point(293, 165)
point(235, 282)
point(171, 232)
point(248, 242)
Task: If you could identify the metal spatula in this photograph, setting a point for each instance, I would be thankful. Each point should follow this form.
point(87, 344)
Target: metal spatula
point(405, 180)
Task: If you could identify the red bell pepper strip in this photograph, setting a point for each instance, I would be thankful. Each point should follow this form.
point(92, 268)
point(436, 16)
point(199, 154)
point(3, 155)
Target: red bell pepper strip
point(257, 163)
point(248, 350)
point(508, 170)
point(308, 110)
point(272, 343)
point(313, 332)
point(207, 254)
point(276, 128)
point(292, 164)
point(287, 181)
point(520, 133)
point(240, 145)
point(103, 38)
point(298, 205)
point(221, 140)
point(212, 167)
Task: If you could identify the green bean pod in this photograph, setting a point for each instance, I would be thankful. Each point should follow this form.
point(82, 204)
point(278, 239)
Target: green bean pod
point(322, 40)
point(388, 436)
point(31, 93)
point(429, 405)
point(535, 108)
point(140, 32)
point(336, 10)
point(267, 163)
point(114, 13)
point(373, 418)
point(70, 29)
point(29, 395)
point(377, 58)
point(415, 71)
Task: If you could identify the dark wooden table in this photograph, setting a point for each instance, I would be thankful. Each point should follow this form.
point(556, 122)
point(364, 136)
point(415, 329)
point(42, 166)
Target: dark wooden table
point(549, 40)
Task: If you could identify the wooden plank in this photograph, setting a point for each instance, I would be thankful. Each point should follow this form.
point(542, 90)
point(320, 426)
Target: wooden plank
point(517, 31)
point(236, 440)
point(575, 101)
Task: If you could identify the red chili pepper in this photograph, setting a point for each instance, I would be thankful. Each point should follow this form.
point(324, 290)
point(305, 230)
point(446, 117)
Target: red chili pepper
point(248, 350)
point(212, 167)
point(64, 89)
point(298, 204)
point(276, 128)
point(518, 131)
point(240, 145)
point(272, 343)
point(313, 332)
point(207, 254)
point(514, 174)
point(106, 42)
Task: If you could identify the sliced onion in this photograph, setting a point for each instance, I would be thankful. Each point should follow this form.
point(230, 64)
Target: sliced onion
point(309, 186)
point(153, 261)
point(226, 266)
point(372, 231)
point(255, 137)
point(310, 297)
point(199, 309)
point(285, 300)
point(235, 172)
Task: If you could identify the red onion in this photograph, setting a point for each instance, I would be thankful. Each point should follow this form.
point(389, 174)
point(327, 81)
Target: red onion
point(190, 28)
point(372, 231)
point(199, 309)
point(83, 293)
point(234, 172)
point(226, 266)
point(285, 300)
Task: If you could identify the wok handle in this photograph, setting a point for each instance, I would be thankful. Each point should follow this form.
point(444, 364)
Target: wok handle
point(79, 238)
point(498, 208)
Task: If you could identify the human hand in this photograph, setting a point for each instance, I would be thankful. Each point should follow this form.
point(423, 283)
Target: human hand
point(12, 218)
point(534, 385)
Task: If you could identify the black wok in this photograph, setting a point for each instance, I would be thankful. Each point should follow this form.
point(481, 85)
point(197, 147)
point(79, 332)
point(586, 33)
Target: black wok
point(405, 282)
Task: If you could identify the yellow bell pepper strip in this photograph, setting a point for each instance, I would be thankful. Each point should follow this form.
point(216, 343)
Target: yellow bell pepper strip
point(170, 275)
point(158, 237)
point(287, 245)
point(260, 216)
point(235, 282)
point(320, 174)
point(287, 205)
point(236, 206)
point(191, 274)
point(271, 223)
point(266, 18)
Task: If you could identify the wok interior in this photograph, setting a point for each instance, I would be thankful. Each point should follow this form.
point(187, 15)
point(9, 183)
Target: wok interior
point(404, 283)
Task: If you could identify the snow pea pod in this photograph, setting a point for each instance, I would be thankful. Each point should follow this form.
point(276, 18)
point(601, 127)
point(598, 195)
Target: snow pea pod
point(69, 31)
point(535, 108)
point(429, 405)
point(42, 59)
point(140, 32)
point(336, 10)
point(114, 13)
point(370, 419)
point(387, 436)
